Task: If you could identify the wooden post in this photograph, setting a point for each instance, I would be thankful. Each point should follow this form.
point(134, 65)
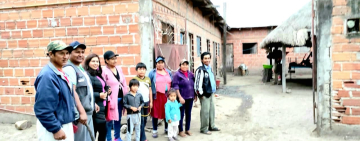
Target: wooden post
point(283, 78)
point(224, 45)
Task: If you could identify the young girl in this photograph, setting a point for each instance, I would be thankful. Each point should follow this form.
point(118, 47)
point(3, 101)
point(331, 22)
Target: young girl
point(172, 114)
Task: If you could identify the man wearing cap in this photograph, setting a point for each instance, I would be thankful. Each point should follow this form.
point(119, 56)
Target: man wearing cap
point(54, 102)
point(83, 91)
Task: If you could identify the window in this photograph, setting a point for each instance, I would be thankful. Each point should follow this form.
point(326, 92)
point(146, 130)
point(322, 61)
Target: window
point(191, 37)
point(301, 49)
point(208, 45)
point(167, 33)
point(352, 26)
point(249, 48)
point(214, 46)
point(198, 43)
point(182, 38)
point(218, 49)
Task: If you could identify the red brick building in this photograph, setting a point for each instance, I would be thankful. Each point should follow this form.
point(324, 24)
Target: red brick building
point(130, 28)
point(246, 48)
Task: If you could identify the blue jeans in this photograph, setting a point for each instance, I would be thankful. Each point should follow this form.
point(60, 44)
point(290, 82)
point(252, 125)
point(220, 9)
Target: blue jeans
point(115, 124)
point(144, 112)
point(185, 110)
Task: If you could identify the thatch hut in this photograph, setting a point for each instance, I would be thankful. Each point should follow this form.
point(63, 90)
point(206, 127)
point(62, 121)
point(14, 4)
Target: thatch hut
point(294, 32)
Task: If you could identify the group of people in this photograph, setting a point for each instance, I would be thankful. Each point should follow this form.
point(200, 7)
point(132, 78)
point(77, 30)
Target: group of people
point(76, 98)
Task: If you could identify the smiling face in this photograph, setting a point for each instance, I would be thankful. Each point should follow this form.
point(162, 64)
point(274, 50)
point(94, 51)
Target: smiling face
point(184, 67)
point(94, 63)
point(112, 61)
point(59, 58)
point(77, 56)
point(206, 60)
point(160, 65)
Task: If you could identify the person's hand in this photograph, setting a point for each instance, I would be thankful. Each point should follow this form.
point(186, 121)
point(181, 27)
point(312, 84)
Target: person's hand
point(60, 135)
point(195, 99)
point(133, 109)
point(182, 101)
point(169, 121)
point(97, 108)
point(83, 118)
point(103, 95)
point(151, 105)
point(139, 109)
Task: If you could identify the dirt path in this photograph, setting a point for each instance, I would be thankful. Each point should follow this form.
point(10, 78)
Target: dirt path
point(247, 110)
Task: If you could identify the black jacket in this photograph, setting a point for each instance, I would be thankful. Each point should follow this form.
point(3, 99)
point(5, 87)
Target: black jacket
point(98, 88)
point(202, 82)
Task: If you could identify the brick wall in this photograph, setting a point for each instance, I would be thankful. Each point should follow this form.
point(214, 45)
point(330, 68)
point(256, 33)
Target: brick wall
point(346, 67)
point(183, 15)
point(254, 35)
point(25, 33)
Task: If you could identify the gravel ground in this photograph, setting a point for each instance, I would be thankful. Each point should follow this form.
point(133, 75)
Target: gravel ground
point(246, 110)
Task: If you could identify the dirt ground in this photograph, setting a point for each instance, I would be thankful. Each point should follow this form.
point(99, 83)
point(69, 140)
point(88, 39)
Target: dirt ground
point(247, 110)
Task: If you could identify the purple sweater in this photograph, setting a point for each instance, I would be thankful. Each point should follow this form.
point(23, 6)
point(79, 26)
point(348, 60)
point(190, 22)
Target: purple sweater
point(183, 84)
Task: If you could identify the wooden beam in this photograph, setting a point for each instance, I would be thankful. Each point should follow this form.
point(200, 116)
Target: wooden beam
point(283, 78)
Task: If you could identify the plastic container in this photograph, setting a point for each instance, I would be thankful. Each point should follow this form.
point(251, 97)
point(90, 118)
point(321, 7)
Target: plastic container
point(217, 84)
point(267, 66)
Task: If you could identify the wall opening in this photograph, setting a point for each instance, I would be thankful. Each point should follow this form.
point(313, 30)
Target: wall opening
point(352, 26)
point(249, 48)
point(167, 33)
point(192, 53)
point(208, 46)
point(198, 43)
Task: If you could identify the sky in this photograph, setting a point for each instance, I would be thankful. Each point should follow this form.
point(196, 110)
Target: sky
point(258, 13)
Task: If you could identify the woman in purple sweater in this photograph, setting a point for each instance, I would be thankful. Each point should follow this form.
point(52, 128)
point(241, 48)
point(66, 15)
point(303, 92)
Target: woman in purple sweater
point(183, 83)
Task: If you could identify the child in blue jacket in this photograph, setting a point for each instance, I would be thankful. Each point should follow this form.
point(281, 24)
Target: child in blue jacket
point(172, 114)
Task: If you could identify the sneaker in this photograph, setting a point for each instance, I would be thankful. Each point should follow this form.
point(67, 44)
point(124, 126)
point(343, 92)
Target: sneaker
point(155, 135)
point(118, 139)
point(171, 139)
point(175, 138)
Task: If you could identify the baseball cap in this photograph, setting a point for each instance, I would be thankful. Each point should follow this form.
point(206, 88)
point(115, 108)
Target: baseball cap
point(184, 61)
point(109, 54)
point(58, 45)
point(159, 59)
point(76, 44)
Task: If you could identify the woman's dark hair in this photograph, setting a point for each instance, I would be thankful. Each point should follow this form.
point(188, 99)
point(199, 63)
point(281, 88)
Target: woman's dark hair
point(171, 91)
point(89, 69)
point(140, 65)
point(134, 82)
point(204, 54)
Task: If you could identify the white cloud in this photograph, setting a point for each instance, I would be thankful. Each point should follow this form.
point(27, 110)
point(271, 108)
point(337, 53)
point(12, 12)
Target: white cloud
point(255, 13)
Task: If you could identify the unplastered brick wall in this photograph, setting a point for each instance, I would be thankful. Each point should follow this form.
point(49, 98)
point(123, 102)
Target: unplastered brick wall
point(183, 15)
point(345, 66)
point(26, 31)
point(255, 61)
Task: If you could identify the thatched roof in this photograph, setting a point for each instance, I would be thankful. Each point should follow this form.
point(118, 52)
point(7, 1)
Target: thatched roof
point(294, 32)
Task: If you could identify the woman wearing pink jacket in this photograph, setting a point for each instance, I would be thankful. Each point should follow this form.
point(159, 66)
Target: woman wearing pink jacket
point(114, 77)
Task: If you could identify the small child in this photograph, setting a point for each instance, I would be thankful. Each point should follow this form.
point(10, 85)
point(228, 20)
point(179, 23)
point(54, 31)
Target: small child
point(145, 91)
point(172, 114)
point(133, 102)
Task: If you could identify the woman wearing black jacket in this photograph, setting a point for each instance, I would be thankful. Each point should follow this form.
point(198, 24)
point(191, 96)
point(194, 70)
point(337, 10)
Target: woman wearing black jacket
point(93, 67)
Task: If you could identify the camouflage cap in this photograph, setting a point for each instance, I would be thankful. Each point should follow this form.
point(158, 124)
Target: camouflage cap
point(57, 45)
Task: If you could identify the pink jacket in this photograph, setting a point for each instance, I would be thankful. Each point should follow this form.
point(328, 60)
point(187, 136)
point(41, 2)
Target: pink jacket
point(111, 80)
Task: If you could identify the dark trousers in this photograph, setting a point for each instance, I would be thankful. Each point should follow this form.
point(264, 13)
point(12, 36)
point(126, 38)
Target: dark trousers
point(144, 113)
point(100, 128)
point(155, 123)
point(185, 110)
